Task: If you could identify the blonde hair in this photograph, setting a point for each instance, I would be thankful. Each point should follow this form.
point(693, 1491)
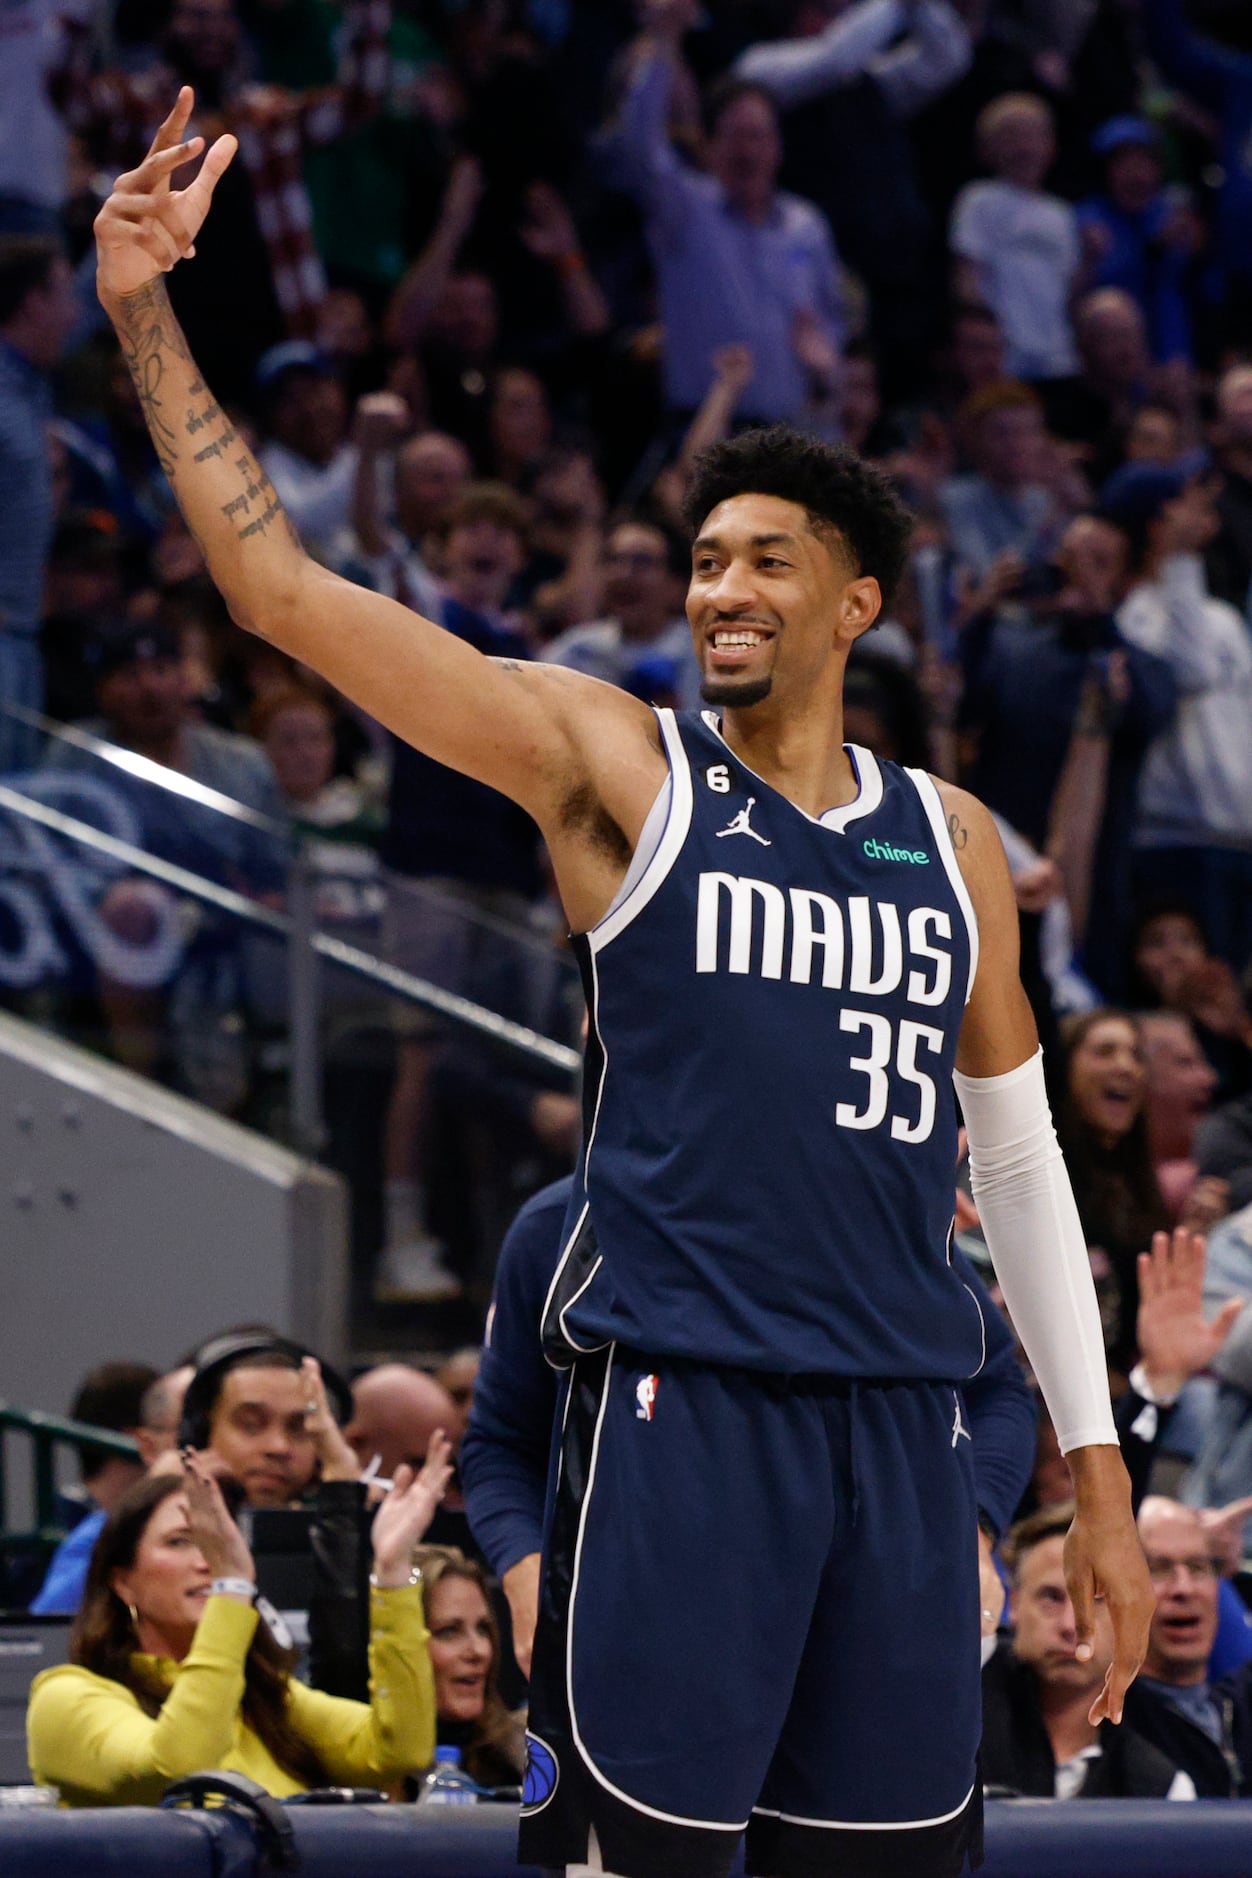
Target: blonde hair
point(1002, 110)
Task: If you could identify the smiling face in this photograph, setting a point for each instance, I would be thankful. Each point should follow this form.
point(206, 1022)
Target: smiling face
point(462, 1646)
point(774, 606)
point(1107, 1079)
point(168, 1582)
point(1169, 948)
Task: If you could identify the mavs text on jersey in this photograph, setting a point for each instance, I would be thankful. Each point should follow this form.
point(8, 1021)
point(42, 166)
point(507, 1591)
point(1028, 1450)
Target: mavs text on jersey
point(769, 1167)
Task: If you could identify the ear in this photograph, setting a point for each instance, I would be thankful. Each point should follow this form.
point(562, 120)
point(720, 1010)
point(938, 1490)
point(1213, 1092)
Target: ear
point(121, 1586)
point(859, 606)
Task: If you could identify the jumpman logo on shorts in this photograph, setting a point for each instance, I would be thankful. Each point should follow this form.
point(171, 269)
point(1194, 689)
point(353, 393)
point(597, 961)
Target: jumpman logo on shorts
point(958, 1425)
point(740, 825)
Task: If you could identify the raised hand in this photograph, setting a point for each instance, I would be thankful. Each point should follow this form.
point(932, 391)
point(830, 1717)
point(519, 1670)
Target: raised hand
point(1175, 1338)
point(214, 1531)
point(145, 228)
point(401, 1521)
point(338, 1462)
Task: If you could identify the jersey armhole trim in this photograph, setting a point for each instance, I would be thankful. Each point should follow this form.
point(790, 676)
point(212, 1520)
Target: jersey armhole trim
point(673, 835)
point(932, 803)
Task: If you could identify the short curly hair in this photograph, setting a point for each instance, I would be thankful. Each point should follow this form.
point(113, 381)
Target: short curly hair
point(838, 490)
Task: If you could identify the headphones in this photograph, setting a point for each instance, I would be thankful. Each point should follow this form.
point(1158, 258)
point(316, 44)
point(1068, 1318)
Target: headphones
point(220, 1354)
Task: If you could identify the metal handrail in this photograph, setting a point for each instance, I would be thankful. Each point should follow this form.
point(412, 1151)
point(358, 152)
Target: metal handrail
point(148, 770)
point(47, 1433)
point(517, 1038)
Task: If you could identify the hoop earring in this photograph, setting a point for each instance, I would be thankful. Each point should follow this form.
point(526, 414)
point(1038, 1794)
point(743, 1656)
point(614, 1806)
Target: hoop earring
point(134, 1615)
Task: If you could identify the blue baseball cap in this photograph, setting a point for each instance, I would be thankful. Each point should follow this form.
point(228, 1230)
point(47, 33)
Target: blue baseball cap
point(292, 355)
point(1117, 132)
point(1137, 492)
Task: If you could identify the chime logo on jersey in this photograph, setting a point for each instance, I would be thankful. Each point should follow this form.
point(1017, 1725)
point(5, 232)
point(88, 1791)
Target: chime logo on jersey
point(645, 1397)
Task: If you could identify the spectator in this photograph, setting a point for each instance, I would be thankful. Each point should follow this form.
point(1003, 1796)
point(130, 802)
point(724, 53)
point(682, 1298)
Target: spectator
point(519, 426)
point(1140, 237)
point(1002, 505)
point(1229, 555)
point(1224, 1149)
point(644, 642)
point(1173, 968)
point(1039, 673)
point(470, 1713)
point(1219, 79)
point(1037, 1740)
point(1017, 247)
point(160, 1412)
point(1103, 1132)
point(296, 730)
point(1205, 1730)
point(471, 875)
point(248, 1407)
point(457, 1374)
point(271, 277)
point(1098, 408)
point(114, 1396)
point(1178, 1094)
point(1154, 435)
point(431, 471)
point(37, 314)
point(396, 1411)
point(172, 1669)
point(182, 1027)
point(1223, 1467)
point(84, 589)
point(1194, 833)
point(847, 87)
point(737, 259)
point(307, 455)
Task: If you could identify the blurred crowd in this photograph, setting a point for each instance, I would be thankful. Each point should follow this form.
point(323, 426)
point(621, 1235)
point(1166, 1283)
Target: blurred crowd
point(486, 277)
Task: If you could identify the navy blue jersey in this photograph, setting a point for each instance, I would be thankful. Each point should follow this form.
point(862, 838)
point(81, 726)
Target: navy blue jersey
point(768, 1167)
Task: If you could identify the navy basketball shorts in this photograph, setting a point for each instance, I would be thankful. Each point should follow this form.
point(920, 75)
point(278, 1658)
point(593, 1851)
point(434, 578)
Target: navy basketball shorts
point(760, 1614)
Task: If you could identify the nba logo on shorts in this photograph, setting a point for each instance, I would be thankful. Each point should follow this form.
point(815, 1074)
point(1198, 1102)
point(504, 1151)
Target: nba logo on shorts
point(645, 1397)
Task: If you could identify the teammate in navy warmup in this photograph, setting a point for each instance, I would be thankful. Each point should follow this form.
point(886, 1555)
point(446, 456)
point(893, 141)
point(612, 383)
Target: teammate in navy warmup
point(763, 1458)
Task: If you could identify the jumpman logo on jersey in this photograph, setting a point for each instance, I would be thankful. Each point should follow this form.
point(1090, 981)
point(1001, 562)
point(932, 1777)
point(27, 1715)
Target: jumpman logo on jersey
point(740, 825)
point(958, 1424)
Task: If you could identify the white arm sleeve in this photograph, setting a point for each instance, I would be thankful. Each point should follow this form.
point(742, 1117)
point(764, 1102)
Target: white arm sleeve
point(1038, 1248)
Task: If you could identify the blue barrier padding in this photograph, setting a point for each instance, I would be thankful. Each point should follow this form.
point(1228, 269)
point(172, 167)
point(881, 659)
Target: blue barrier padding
point(1118, 1839)
point(1025, 1839)
point(124, 1842)
point(407, 1842)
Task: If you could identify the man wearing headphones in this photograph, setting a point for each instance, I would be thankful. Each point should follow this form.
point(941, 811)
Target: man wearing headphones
point(269, 1414)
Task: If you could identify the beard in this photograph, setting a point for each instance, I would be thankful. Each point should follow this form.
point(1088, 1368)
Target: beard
point(738, 693)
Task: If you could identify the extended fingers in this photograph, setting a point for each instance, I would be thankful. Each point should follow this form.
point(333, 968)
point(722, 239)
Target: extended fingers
point(158, 166)
point(172, 129)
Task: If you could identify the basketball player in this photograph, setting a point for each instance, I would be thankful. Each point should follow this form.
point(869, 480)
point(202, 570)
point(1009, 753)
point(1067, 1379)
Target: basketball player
point(760, 1608)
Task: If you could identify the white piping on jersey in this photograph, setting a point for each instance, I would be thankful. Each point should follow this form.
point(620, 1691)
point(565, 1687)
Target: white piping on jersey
point(593, 1017)
point(982, 1325)
point(865, 767)
point(639, 1806)
point(865, 1825)
point(933, 805)
point(677, 822)
point(651, 836)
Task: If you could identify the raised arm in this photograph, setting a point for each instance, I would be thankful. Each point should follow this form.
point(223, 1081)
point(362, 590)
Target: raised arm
point(582, 758)
point(1039, 1252)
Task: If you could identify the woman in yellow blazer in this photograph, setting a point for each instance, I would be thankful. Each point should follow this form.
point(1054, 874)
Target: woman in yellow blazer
point(171, 1671)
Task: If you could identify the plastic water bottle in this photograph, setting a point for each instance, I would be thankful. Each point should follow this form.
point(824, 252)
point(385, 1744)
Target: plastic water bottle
point(447, 1783)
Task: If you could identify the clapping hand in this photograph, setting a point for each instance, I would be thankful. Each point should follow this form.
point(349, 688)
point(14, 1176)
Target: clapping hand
point(401, 1521)
point(213, 1530)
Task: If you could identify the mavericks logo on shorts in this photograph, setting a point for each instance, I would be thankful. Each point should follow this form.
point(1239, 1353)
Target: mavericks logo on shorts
point(645, 1397)
point(542, 1774)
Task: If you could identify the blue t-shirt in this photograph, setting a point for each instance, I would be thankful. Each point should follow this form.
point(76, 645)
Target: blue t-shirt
point(61, 1592)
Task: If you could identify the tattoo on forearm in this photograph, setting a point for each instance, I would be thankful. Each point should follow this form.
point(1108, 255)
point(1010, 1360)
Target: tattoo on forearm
point(958, 831)
point(150, 337)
